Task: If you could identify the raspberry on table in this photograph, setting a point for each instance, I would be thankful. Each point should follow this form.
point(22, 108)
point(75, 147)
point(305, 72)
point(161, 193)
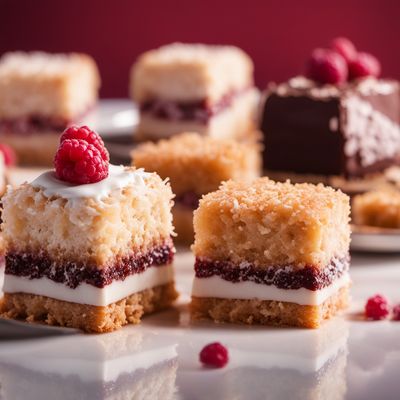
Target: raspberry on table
point(364, 65)
point(396, 313)
point(9, 155)
point(327, 66)
point(85, 133)
point(78, 161)
point(345, 48)
point(214, 355)
point(377, 307)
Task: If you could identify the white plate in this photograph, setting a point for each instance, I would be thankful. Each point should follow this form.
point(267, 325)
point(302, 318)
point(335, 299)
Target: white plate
point(113, 117)
point(370, 239)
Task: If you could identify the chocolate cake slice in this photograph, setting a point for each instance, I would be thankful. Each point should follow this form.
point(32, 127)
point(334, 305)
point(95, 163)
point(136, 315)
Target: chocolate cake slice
point(350, 130)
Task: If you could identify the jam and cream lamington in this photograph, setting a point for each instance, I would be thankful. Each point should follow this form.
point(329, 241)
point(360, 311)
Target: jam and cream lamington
point(271, 253)
point(93, 256)
point(195, 166)
point(40, 95)
point(196, 88)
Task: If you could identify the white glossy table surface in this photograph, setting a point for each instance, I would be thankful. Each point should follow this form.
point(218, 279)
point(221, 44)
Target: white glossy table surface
point(348, 358)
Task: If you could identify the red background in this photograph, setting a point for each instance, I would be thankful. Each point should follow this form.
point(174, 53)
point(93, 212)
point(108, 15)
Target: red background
point(278, 35)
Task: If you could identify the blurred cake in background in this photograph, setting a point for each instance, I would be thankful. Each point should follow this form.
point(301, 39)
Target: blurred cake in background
point(338, 124)
point(40, 95)
point(195, 166)
point(194, 88)
point(378, 208)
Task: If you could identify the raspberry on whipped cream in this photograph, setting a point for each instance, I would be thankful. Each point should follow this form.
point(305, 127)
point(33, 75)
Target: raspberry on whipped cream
point(78, 161)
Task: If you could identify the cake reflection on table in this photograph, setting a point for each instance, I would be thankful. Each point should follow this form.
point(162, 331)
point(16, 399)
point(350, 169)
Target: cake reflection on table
point(275, 364)
point(124, 364)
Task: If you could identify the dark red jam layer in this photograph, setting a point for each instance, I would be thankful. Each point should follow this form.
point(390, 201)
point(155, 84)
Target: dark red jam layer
point(199, 111)
point(36, 124)
point(188, 199)
point(26, 126)
point(283, 277)
point(35, 266)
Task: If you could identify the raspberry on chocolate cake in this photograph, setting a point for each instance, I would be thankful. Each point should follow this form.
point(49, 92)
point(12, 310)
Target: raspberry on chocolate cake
point(40, 95)
point(271, 253)
point(95, 255)
point(339, 124)
point(195, 88)
point(197, 165)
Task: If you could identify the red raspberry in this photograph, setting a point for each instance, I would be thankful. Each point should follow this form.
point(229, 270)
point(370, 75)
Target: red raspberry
point(78, 161)
point(327, 66)
point(377, 307)
point(364, 65)
point(396, 313)
point(214, 355)
point(10, 158)
point(85, 133)
point(345, 48)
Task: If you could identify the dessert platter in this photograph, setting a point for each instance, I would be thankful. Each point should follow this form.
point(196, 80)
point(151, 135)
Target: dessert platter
point(230, 257)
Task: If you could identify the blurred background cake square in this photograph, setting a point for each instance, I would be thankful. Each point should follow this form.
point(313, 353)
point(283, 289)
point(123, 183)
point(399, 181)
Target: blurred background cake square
point(40, 95)
point(271, 253)
point(195, 88)
point(380, 208)
point(196, 165)
point(103, 262)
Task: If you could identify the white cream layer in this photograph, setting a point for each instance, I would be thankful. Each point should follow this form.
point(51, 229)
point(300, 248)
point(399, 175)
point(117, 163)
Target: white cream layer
point(118, 178)
point(220, 288)
point(89, 294)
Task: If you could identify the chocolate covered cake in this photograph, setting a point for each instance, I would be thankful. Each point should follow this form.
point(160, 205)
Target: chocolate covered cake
point(194, 88)
point(40, 95)
point(341, 121)
point(95, 256)
point(349, 131)
point(197, 165)
point(271, 253)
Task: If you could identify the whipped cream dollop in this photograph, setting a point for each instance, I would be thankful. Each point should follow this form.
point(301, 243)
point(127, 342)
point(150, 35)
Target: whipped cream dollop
point(118, 178)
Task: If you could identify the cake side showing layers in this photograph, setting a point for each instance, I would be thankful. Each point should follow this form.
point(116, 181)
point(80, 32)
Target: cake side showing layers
point(271, 253)
point(266, 223)
point(331, 130)
point(94, 256)
point(187, 72)
point(267, 312)
point(199, 164)
point(95, 231)
point(36, 308)
point(53, 87)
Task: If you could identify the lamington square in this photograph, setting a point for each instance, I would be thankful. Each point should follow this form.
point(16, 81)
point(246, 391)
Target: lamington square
point(317, 132)
point(40, 95)
point(271, 253)
point(194, 88)
point(94, 256)
point(196, 165)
